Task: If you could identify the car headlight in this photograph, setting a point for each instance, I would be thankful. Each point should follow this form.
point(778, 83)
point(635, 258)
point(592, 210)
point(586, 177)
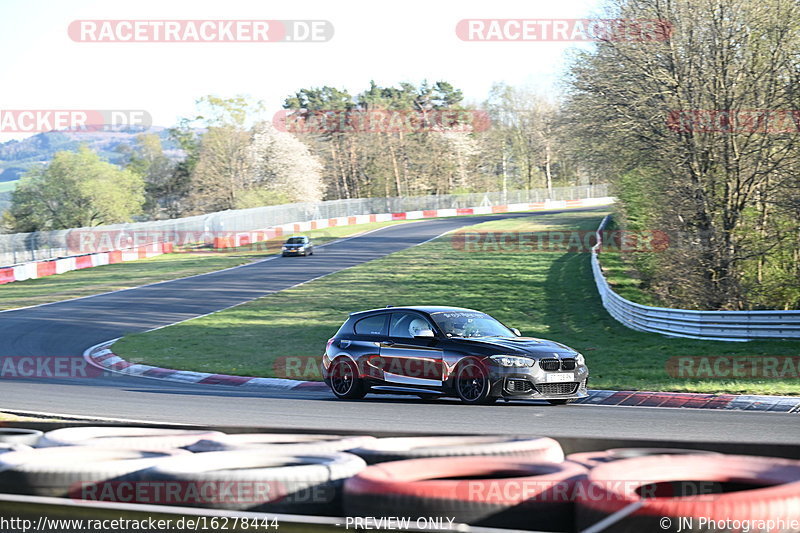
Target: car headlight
point(284, 248)
point(301, 248)
point(511, 360)
point(579, 359)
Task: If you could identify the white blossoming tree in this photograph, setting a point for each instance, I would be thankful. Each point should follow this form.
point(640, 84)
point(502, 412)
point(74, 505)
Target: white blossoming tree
point(283, 170)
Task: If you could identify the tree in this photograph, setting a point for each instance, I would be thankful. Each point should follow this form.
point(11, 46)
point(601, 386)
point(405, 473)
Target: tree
point(163, 191)
point(283, 169)
point(222, 171)
point(527, 124)
point(76, 189)
point(634, 106)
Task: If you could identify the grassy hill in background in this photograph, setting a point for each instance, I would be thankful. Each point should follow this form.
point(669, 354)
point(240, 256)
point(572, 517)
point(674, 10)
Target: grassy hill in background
point(18, 156)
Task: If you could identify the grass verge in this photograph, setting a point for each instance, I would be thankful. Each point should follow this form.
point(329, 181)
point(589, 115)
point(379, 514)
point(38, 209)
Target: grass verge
point(549, 295)
point(108, 278)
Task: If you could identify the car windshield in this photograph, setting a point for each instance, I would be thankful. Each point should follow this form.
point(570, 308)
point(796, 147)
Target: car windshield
point(296, 240)
point(470, 324)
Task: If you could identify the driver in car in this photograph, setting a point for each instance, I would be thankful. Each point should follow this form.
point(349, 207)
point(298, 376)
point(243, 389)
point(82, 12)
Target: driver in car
point(460, 327)
point(417, 326)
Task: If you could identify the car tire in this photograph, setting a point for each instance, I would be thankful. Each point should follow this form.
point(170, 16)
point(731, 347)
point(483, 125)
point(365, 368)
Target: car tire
point(564, 401)
point(72, 470)
point(483, 491)
point(592, 459)
point(308, 484)
point(763, 488)
point(344, 380)
point(471, 382)
point(26, 437)
point(133, 438)
point(282, 443)
point(401, 448)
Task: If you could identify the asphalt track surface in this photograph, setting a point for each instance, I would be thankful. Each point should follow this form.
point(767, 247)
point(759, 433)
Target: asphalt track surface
point(68, 328)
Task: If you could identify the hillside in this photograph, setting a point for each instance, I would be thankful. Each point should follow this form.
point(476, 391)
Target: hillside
point(17, 156)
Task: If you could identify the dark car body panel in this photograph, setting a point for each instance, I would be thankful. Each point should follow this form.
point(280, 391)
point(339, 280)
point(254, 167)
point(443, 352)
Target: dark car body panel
point(390, 360)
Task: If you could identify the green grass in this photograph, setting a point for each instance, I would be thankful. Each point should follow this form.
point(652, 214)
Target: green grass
point(624, 279)
point(549, 295)
point(107, 278)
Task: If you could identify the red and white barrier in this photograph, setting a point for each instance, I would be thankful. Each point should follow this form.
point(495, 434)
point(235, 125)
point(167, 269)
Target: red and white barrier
point(39, 269)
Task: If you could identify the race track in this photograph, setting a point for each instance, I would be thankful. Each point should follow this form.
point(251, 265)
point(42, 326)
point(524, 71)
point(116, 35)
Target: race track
point(68, 328)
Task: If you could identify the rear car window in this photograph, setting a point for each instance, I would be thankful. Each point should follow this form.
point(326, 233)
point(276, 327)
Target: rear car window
point(371, 325)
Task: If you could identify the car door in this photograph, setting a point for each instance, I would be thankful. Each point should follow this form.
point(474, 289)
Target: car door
point(407, 359)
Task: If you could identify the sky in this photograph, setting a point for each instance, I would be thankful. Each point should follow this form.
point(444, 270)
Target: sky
point(387, 42)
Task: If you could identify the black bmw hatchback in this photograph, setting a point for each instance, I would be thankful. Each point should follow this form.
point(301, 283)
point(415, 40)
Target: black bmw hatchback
point(432, 351)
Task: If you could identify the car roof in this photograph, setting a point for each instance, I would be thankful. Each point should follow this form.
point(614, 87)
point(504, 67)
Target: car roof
point(423, 308)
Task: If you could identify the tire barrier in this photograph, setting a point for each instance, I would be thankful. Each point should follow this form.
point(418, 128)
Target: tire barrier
point(72, 470)
point(490, 481)
point(592, 459)
point(27, 437)
point(506, 492)
point(51, 267)
point(281, 443)
point(126, 437)
point(399, 448)
point(253, 480)
point(6, 447)
point(738, 492)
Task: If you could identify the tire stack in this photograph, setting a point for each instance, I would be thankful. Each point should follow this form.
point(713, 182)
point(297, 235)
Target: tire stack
point(504, 482)
point(508, 482)
point(688, 491)
point(278, 473)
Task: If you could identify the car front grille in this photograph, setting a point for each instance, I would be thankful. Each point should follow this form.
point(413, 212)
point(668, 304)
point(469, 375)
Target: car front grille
point(551, 365)
point(518, 385)
point(556, 388)
point(568, 364)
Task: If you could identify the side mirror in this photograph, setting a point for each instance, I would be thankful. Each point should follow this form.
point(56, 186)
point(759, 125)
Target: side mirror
point(516, 332)
point(424, 333)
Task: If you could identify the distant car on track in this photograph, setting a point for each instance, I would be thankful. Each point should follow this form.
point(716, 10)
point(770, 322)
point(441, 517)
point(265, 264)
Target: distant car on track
point(297, 245)
point(432, 351)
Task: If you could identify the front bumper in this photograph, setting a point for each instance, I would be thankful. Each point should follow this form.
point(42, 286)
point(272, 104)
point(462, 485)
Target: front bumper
point(533, 383)
point(293, 252)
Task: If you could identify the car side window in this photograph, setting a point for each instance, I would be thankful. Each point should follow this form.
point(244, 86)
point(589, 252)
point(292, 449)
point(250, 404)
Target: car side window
point(371, 325)
point(408, 325)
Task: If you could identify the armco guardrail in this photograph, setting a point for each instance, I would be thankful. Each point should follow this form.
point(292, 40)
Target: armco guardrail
point(21, 248)
point(709, 325)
